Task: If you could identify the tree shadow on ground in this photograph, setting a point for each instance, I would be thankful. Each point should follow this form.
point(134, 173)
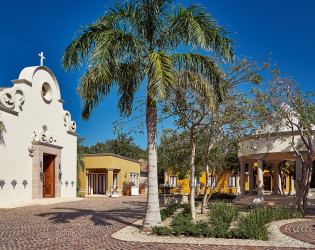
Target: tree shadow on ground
point(125, 216)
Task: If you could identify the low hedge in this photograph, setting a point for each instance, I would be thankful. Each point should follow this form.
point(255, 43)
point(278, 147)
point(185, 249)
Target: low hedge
point(162, 230)
point(169, 211)
point(253, 225)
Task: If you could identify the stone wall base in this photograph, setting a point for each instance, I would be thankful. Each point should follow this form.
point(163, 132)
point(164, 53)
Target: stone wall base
point(169, 199)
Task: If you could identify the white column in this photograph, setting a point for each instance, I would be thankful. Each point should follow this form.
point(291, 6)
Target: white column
point(292, 184)
point(243, 177)
point(298, 172)
point(275, 178)
point(251, 178)
point(260, 182)
point(165, 177)
point(237, 184)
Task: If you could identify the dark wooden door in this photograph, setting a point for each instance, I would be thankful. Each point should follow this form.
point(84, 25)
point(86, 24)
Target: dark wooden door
point(267, 183)
point(49, 176)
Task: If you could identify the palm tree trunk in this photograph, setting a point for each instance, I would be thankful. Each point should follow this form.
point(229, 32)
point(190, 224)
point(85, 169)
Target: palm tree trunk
point(192, 176)
point(152, 215)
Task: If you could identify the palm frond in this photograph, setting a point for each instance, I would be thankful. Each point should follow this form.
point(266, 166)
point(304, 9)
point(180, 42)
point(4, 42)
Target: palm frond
point(78, 51)
point(160, 74)
point(192, 26)
point(153, 14)
point(192, 82)
point(129, 78)
point(125, 16)
point(207, 69)
point(95, 85)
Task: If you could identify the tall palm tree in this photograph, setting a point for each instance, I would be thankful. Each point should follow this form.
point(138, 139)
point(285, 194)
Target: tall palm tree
point(140, 42)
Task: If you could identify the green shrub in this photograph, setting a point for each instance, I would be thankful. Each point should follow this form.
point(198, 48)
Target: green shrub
point(169, 211)
point(254, 224)
point(162, 230)
point(205, 229)
point(221, 213)
point(79, 195)
point(186, 210)
point(181, 219)
point(188, 228)
point(217, 196)
point(222, 196)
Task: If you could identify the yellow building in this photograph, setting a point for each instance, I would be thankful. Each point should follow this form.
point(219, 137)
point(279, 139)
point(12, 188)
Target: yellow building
point(227, 183)
point(102, 171)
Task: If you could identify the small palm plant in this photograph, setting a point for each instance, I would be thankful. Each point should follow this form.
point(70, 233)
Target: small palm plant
point(2, 127)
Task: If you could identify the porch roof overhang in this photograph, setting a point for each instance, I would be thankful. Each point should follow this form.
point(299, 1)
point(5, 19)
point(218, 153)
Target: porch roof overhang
point(273, 146)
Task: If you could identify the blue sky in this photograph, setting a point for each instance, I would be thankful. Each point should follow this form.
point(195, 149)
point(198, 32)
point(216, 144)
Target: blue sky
point(285, 28)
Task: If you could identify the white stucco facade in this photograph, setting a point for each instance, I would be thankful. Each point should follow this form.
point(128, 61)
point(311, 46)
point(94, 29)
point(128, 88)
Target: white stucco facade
point(272, 144)
point(36, 126)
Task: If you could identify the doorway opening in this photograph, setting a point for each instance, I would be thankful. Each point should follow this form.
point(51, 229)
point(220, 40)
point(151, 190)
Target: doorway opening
point(267, 183)
point(97, 183)
point(49, 176)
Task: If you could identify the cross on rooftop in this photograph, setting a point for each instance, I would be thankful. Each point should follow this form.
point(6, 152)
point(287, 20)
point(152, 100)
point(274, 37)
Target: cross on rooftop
point(41, 55)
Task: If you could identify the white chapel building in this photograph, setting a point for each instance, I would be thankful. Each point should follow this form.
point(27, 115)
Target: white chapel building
point(38, 151)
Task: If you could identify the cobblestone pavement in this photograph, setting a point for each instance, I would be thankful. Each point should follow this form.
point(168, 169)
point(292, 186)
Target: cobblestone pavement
point(304, 230)
point(86, 224)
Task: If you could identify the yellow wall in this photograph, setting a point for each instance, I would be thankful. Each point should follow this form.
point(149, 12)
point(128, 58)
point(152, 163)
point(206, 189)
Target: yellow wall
point(223, 183)
point(222, 186)
point(108, 163)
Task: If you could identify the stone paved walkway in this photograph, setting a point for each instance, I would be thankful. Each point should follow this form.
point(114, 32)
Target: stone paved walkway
point(86, 224)
point(304, 230)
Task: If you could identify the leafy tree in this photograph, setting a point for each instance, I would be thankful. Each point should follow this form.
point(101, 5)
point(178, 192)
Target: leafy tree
point(80, 159)
point(283, 104)
point(217, 120)
point(138, 42)
point(287, 168)
point(125, 146)
point(98, 148)
point(174, 153)
point(122, 145)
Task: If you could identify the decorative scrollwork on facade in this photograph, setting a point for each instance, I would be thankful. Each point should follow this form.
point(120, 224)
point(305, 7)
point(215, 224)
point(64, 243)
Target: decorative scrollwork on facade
point(2, 183)
point(14, 183)
point(12, 97)
point(72, 183)
point(31, 150)
point(71, 126)
point(44, 136)
point(66, 183)
point(24, 183)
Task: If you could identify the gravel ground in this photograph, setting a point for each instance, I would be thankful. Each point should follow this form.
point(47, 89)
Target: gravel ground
point(276, 238)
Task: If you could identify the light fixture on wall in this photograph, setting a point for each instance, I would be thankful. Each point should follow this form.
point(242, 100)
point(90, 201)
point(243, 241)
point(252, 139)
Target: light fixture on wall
point(125, 174)
point(60, 172)
point(41, 171)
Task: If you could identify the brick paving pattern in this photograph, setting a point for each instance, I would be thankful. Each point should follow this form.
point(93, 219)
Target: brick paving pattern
point(86, 224)
point(302, 230)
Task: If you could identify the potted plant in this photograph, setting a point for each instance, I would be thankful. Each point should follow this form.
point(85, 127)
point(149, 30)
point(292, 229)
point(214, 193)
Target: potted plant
point(126, 188)
point(142, 187)
point(180, 187)
point(166, 188)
